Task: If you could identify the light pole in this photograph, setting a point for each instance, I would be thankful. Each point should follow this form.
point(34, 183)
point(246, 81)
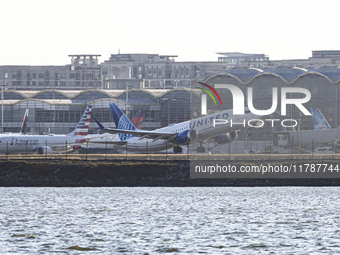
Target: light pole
point(168, 104)
point(127, 100)
point(3, 83)
point(168, 110)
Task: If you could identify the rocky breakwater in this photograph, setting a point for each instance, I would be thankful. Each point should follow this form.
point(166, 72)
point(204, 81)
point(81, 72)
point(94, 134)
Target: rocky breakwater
point(69, 173)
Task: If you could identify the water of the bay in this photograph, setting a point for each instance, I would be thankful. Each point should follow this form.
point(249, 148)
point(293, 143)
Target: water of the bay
point(219, 220)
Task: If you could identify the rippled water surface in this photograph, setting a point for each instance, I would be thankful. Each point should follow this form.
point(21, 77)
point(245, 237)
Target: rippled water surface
point(287, 220)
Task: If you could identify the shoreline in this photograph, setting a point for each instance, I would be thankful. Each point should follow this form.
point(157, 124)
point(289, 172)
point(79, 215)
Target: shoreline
point(118, 173)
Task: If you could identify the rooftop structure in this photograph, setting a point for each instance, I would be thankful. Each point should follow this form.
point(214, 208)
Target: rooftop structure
point(320, 58)
point(84, 60)
point(237, 59)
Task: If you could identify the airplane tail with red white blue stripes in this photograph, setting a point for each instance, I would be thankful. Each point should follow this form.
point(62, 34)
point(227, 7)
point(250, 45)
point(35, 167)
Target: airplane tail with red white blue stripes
point(82, 128)
point(138, 119)
point(24, 123)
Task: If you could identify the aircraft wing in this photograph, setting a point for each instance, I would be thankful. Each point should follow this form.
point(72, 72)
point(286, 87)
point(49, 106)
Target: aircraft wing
point(92, 137)
point(143, 133)
point(110, 142)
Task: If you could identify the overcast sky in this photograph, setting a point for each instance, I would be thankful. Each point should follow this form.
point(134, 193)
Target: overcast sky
point(45, 32)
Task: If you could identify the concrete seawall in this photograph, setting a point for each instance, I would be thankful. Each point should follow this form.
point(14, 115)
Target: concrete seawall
point(67, 173)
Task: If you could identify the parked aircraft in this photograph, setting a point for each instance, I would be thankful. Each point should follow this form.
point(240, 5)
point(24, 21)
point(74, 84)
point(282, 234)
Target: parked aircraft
point(18, 143)
point(138, 119)
point(194, 131)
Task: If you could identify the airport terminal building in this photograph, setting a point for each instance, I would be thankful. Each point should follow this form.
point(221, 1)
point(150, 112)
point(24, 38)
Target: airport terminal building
point(58, 111)
point(323, 84)
point(165, 90)
point(165, 106)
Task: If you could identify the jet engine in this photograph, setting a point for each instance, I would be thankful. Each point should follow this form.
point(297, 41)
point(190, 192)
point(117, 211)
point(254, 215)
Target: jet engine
point(44, 150)
point(186, 136)
point(227, 138)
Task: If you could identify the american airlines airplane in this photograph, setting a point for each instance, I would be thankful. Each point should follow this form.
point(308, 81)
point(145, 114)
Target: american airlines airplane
point(193, 131)
point(47, 144)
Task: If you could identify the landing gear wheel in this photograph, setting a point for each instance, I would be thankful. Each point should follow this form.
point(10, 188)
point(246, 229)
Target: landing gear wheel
point(200, 149)
point(177, 149)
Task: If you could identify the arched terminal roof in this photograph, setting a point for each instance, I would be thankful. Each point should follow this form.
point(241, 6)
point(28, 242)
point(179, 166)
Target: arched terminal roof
point(331, 73)
point(288, 75)
point(80, 96)
point(13, 94)
point(50, 94)
point(243, 75)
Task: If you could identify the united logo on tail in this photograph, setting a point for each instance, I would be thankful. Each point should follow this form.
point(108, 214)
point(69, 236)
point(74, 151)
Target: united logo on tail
point(121, 122)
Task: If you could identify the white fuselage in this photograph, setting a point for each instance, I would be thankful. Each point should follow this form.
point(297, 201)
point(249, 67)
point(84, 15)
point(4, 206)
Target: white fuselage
point(29, 143)
point(149, 145)
point(102, 141)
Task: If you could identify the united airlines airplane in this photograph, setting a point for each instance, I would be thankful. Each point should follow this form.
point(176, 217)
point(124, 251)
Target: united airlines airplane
point(193, 131)
point(47, 144)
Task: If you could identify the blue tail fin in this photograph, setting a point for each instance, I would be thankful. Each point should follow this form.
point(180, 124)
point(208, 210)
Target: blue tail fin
point(121, 121)
point(319, 120)
point(101, 127)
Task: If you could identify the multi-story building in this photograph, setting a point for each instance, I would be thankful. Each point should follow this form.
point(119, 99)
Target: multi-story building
point(154, 71)
point(320, 58)
point(121, 71)
point(83, 73)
